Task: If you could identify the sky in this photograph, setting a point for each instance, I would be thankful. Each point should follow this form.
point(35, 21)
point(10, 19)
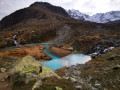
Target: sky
point(89, 7)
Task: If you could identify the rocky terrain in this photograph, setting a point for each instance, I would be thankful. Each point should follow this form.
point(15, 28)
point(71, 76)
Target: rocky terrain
point(98, 74)
point(27, 73)
point(42, 22)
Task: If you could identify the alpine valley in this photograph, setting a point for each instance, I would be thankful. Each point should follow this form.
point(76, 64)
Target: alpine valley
point(45, 47)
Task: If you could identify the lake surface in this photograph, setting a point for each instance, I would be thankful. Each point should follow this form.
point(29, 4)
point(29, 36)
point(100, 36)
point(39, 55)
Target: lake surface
point(72, 59)
point(56, 62)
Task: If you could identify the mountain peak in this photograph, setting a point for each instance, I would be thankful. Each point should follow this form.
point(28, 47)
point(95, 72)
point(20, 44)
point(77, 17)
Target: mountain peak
point(50, 7)
point(99, 17)
point(38, 10)
point(77, 14)
point(40, 4)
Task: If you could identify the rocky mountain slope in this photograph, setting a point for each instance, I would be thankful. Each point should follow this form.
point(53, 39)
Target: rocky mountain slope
point(39, 10)
point(32, 23)
point(43, 22)
point(98, 18)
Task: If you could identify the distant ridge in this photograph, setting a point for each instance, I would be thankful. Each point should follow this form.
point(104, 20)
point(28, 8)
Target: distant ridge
point(98, 18)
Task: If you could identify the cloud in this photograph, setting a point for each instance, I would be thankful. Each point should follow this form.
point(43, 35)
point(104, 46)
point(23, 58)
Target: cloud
point(86, 6)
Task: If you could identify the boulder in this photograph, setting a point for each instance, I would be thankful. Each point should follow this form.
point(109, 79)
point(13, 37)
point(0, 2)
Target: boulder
point(25, 61)
point(29, 69)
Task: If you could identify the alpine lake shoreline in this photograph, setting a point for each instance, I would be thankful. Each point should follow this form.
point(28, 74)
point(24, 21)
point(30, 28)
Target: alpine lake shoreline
point(20, 69)
point(41, 52)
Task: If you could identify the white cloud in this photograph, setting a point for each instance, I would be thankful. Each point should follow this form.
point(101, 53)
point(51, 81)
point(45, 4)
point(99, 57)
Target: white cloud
point(86, 6)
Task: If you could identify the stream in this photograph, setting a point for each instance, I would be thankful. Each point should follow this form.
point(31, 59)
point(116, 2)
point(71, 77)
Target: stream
point(15, 40)
point(56, 62)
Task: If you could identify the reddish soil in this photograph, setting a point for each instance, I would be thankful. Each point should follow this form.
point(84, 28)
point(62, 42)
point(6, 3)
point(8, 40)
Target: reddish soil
point(59, 51)
point(35, 51)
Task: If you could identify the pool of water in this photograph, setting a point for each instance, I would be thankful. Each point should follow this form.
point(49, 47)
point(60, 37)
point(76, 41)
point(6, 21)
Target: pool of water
point(69, 60)
point(56, 62)
point(72, 59)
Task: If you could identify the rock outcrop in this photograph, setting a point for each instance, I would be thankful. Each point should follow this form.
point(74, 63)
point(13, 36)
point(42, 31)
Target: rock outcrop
point(28, 69)
point(28, 73)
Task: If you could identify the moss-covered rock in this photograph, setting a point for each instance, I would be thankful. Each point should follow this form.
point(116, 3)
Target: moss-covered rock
point(3, 70)
point(25, 61)
point(29, 70)
point(47, 72)
point(58, 88)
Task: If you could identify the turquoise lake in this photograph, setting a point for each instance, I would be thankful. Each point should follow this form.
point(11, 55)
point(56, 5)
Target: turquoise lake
point(56, 62)
point(69, 60)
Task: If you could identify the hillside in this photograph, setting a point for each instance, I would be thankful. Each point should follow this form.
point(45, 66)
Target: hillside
point(100, 73)
point(43, 22)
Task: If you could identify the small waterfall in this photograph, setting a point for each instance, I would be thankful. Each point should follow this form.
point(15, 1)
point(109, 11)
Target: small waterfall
point(15, 40)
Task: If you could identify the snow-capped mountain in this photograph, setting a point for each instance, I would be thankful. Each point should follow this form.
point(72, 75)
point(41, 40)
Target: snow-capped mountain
point(77, 14)
point(106, 17)
point(99, 17)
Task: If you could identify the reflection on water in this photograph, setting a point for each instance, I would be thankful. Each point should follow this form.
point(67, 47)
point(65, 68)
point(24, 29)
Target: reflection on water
point(74, 59)
point(69, 60)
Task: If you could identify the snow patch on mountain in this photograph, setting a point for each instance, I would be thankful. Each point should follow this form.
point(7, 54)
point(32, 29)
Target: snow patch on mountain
point(77, 14)
point(99, 17)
